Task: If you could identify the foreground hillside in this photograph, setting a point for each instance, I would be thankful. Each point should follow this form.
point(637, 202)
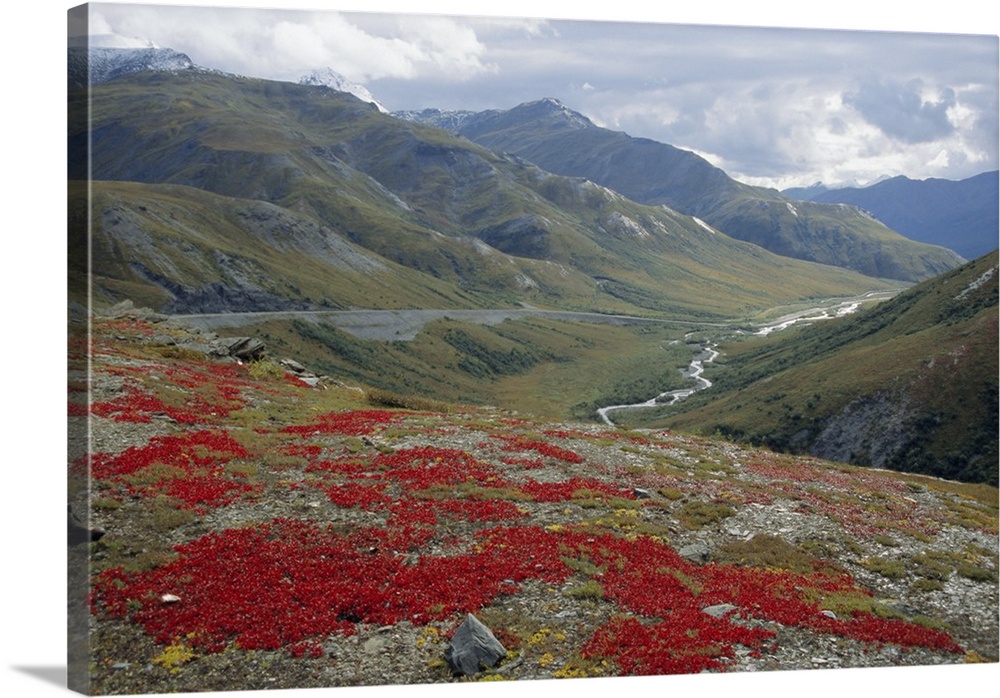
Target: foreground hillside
point(263, 531)
point(910, 384)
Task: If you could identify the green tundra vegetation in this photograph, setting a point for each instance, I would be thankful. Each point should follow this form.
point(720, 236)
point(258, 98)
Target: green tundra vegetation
point(541, 366)
point(925, 360)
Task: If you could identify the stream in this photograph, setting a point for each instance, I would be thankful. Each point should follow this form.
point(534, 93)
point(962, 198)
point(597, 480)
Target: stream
point(694, 370)
point(708, 354)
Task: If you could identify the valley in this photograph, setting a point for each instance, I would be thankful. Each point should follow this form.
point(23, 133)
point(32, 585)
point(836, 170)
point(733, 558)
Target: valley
point(635, 416)
point(405, 325)
point(399, 255)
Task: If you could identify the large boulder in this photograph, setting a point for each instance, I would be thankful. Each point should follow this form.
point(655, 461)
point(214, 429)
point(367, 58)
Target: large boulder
point(242, 348)
point(473, 648)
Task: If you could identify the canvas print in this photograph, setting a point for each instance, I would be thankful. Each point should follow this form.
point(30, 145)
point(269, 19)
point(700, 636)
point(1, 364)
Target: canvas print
point(416, 349)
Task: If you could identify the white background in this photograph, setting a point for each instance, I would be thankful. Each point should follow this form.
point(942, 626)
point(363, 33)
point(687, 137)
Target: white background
point(33, 388)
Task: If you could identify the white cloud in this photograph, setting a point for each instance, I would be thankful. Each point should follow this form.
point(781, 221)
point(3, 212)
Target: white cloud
point(283, 44)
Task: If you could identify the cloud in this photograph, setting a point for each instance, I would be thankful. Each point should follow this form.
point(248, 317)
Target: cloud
point(285, 44)
point(446, 46)
point(903, 110)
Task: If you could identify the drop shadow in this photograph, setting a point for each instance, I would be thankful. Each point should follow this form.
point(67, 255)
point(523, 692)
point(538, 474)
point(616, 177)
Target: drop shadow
point(55, 675)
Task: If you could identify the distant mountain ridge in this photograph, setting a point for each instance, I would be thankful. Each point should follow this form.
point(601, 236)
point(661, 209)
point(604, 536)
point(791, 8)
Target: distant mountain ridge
point(564, 142)
point(961, 215)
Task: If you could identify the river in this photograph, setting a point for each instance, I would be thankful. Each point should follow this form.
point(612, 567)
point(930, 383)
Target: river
point(694, 370)
point(708, 354)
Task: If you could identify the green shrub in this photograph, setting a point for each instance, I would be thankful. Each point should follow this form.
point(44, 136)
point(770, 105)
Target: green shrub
point(976, 574)
point(265, 369)
point(924, 584)
point(769, 551)
point(890, 569)
point(591, 589)
point(695, 515)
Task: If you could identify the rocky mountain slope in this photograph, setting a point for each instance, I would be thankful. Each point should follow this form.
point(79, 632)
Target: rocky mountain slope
point(910, 384)
point(264, 532)
point(962, 215)
point(564, 142)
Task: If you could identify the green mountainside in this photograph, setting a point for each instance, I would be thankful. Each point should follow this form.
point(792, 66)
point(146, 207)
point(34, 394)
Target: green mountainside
point(214, 193)
point(910, 384)
point(562, 141)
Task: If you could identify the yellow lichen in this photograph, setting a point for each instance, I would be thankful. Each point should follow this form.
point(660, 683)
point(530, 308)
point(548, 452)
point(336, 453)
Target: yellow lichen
point(174, 656)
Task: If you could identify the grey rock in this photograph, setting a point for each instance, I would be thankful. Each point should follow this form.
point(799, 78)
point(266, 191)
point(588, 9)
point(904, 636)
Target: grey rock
point(79, 531)
point(243, 348)
point(695, 552)
point(719, 610)
point(869, 430)
point(375, 644)
point(473, 648)
point(119, 309)
point(293, 366)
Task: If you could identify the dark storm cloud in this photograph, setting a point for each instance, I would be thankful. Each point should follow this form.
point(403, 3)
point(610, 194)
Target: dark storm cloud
point(901, 110)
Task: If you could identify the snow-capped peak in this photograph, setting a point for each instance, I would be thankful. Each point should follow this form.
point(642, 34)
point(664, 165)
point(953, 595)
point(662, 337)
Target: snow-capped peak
point(328, 77)
point(99, 64)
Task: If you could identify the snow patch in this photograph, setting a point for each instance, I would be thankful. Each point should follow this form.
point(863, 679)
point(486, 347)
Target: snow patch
point(525, 281)
point(101, 64)
point(704, 225)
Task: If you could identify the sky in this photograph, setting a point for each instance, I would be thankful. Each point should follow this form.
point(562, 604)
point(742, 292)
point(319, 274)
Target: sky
point(771, 105)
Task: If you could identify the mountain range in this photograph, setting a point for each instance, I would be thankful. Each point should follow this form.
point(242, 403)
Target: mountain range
point(565, 142)
point(961, 215)
point(217, 192)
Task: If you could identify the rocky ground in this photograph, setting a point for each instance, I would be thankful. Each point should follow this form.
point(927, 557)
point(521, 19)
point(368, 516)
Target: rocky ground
point(268, 532)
